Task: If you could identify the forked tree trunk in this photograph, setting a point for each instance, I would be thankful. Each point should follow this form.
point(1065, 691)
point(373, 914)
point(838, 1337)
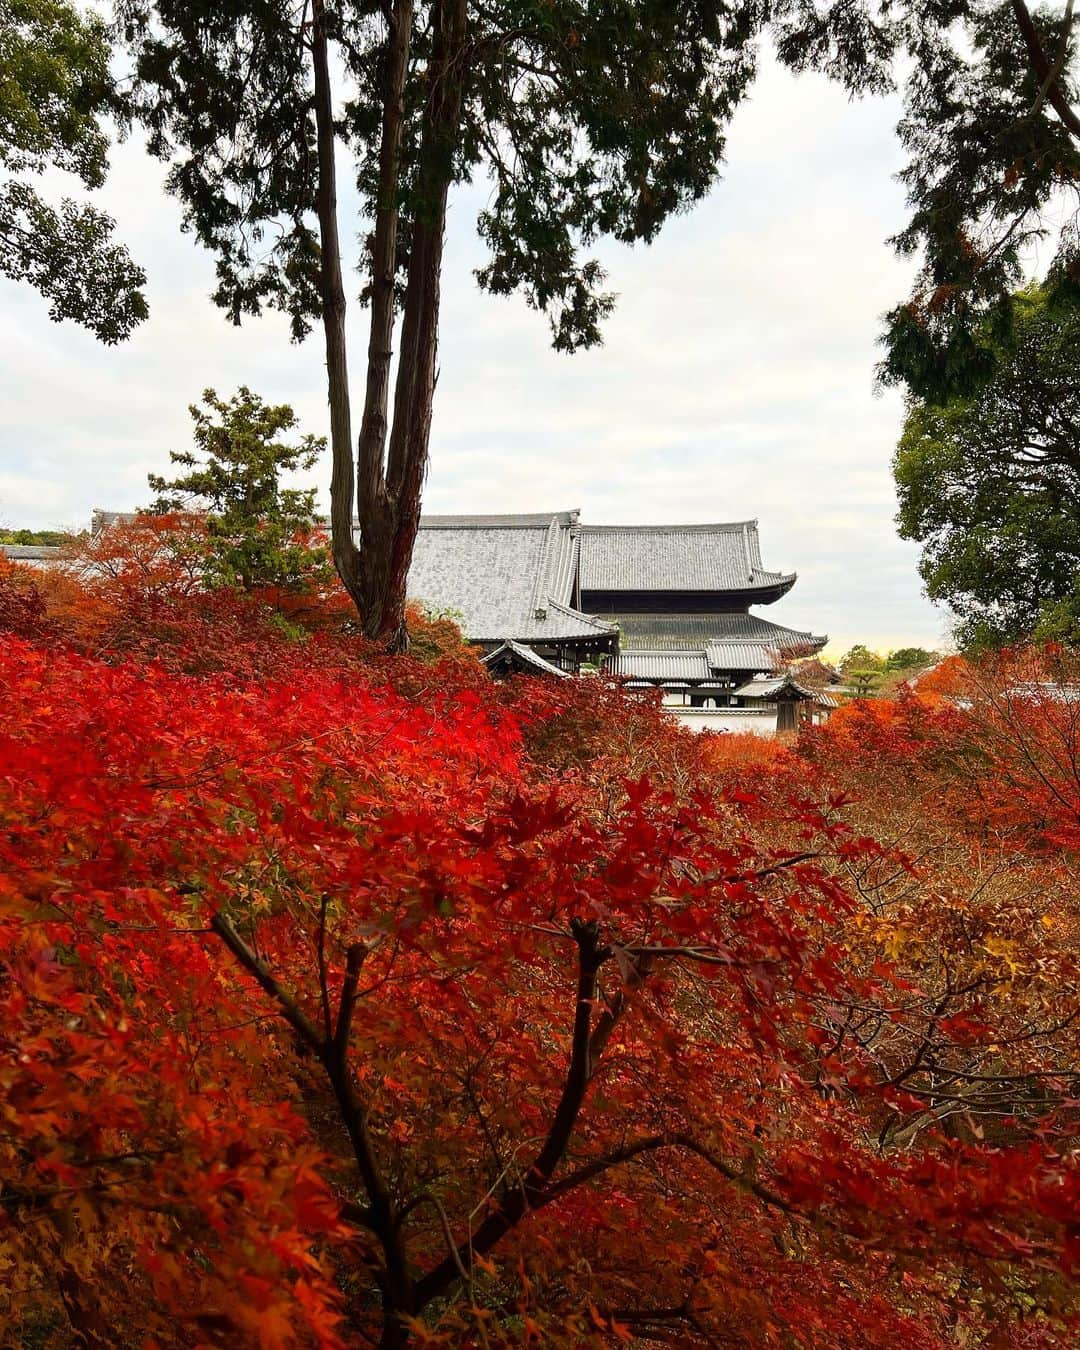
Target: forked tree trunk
point(384, 486)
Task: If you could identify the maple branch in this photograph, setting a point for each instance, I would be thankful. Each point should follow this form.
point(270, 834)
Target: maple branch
point(591, 957)
point(640, 969)
point(517, 1203)
point(428, 1198)
point(642, 1319)
point(324, 988)
point(379, 1216)
point(650, 1144)
point(354, 962)
point(290, 1009)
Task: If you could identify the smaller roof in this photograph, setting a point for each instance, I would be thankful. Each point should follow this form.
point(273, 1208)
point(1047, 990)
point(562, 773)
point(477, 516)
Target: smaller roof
point(655, 632)
point(30, 552)
point(668, 667)
point(100, 519)
point(742, 656)
point(509, 650)
point(773, 687)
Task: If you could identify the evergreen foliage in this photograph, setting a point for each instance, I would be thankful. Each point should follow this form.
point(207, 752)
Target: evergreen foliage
point(990, 484)
point(55, 87)
point(259, 533)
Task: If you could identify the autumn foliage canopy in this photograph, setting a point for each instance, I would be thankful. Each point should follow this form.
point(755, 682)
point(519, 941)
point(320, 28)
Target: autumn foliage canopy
point(353, 1000)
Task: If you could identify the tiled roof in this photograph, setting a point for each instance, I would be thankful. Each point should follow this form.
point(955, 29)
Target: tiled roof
point(507, 576)
point(767, 689)
point(665, 666)
point(527, 657)
point(101, 519)
point(675, 558)
point(655, 632)
point(537, 520)
point(516, 576)
point(30, 552)
point(741, 656)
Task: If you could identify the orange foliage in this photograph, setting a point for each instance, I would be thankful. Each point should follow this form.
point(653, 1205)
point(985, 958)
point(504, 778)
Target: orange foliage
point(947, 678)
point(742, 749)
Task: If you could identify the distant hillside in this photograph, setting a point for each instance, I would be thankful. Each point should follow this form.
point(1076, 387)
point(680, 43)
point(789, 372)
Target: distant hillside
point(44, 538)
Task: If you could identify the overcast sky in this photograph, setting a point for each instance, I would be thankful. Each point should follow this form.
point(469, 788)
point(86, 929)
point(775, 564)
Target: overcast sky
point(736, 378)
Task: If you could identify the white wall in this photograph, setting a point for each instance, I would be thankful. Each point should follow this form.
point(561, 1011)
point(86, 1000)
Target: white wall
point(759, 721)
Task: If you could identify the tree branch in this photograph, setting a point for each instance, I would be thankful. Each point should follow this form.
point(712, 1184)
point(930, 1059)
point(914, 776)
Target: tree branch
point(1045, 69)
point(354, 962)
point(517, 1203)
point(650, 1144)
point(290, 1009)
point(380, 1216)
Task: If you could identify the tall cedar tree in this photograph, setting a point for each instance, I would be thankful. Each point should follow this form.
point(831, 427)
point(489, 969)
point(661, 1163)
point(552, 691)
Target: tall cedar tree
point(258, 532)
point(590, 118)
point(990, 485)
point(55, 87)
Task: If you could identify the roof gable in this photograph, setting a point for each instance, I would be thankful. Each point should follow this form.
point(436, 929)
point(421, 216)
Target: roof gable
point(511, 655)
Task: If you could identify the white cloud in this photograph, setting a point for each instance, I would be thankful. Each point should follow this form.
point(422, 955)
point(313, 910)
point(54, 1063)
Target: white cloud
point(736, 377)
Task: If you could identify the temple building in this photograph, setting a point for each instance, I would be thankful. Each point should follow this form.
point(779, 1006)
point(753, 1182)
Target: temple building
point(661, 605)
point(666, 606)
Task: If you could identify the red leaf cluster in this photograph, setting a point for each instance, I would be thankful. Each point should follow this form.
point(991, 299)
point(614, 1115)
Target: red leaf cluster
point(352, 1000)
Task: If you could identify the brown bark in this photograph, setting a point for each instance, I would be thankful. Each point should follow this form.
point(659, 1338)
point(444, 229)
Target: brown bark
point(415, 386)
point(386, 496)
point(1044, 67)
point(375, 508)
point(332, 288)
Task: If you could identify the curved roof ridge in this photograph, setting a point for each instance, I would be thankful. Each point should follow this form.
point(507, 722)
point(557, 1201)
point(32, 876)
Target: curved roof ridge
point(601, 625)
point(708, 528)
point(523, 520)
point(540, 580)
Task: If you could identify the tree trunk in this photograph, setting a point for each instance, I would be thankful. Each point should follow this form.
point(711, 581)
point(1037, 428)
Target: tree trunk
point(416, 372)
point(332, 289)
point(386, 498)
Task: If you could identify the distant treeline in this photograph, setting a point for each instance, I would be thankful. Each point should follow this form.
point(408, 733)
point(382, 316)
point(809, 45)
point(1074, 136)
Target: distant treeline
point(45, 538)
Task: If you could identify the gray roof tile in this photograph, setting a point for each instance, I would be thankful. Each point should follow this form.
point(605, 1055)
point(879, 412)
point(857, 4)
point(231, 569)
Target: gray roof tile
point(507, 576)
point(30, 552)
point(665, 666)
point(654, 632)
point(675, 558)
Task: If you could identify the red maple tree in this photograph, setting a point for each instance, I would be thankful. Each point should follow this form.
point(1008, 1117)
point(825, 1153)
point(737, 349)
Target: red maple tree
point(356, 1000)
